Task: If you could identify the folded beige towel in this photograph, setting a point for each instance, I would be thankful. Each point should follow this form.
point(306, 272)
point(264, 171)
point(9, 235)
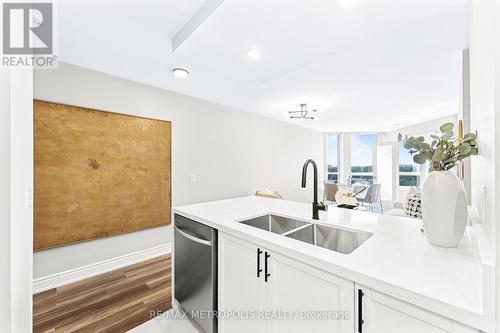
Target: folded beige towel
point(267, 193)
point(343, 198)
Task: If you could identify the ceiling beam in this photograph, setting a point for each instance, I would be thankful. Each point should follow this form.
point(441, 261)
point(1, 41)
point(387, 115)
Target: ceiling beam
point(205, 11)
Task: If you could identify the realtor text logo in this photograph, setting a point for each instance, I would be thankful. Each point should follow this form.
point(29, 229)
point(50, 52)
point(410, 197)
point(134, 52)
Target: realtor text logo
point(28, 34)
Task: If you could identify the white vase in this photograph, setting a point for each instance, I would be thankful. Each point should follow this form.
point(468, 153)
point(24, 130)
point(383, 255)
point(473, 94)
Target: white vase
point(444, 208)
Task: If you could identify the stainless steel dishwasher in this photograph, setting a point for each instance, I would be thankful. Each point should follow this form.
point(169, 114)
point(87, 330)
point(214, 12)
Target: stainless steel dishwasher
point(195, 271)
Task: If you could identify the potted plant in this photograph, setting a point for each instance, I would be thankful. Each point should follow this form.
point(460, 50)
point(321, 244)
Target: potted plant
point(444, 202)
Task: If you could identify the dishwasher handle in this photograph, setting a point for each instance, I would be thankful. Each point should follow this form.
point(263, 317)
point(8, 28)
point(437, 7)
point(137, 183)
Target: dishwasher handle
point(193, 238)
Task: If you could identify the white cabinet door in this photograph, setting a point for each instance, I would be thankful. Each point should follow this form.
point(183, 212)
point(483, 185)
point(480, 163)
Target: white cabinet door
point(241, 292)
point(384, 314)
point(305, 291)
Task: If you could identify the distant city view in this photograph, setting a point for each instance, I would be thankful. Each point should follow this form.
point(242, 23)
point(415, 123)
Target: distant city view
point(409, 180)
point(332, 168)
point(406, 165)
point(333, 173)
point(362, 161)
point(408, 168)
point(404, 180)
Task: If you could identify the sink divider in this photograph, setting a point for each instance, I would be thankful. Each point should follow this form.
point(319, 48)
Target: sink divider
point(297, 229)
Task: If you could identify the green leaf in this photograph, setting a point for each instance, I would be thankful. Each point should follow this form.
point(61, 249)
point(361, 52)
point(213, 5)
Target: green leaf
point(463, 156)
point(447, 136)
point(433, 144)
point(438, 156)
point(474, 151)
point(464, 148)
point(420, 139)
point(425, 146)
point(469, 136)
point(435, 137)
point(419, 158)
point(446, 127)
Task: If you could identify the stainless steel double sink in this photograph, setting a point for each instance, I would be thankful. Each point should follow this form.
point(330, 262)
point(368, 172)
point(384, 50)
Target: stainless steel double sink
point(328, 237)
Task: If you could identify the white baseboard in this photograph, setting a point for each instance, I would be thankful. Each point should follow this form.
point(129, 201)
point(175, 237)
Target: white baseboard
point(80, 273)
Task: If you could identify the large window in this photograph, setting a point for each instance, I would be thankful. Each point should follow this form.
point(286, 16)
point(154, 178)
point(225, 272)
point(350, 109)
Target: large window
point(333, 157)
point(362, 146)
point(409, 171)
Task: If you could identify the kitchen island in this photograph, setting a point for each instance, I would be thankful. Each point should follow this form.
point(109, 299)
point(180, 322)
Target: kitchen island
point(395, 269)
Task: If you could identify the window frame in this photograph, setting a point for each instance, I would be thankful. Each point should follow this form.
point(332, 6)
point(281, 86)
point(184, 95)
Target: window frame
point(339, 157)
point(344, 151)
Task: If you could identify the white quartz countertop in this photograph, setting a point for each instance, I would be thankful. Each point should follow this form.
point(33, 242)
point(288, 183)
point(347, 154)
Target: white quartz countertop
point(396, 259)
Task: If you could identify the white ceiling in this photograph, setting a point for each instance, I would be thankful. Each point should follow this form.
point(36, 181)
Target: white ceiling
point(365, 64)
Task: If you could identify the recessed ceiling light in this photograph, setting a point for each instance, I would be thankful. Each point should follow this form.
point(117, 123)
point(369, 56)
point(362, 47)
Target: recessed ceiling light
point(254, 54)
point(180, 72)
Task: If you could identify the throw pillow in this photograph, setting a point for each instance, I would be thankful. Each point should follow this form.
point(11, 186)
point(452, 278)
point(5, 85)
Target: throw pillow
point(413, 204)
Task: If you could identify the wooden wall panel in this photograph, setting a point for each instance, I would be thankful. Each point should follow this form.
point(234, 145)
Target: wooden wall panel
point(98, 174)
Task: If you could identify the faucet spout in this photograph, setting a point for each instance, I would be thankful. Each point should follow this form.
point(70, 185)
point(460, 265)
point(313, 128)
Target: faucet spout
point(316, 206)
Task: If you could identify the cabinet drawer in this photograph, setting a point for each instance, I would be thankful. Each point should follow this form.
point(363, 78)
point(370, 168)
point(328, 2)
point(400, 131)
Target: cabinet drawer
point(385, 314)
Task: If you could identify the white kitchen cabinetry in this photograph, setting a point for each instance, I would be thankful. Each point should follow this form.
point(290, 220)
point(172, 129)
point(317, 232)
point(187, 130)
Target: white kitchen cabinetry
point(239, 289)
point(254, 281)
point(302, 290)
point(379, 313)
point(252, 278)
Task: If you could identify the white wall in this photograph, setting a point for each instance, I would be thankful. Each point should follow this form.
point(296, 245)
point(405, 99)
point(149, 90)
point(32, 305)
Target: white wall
point(21, 177)
point(5, 201)
point(482, 109)
point(232, 153)
point(417, 129)
point(464, 114)
point(16, 179)
point(485, 182)
point(497, 163)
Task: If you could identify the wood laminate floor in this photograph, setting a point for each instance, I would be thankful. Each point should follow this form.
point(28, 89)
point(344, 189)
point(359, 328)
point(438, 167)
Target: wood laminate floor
point(112, 302)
